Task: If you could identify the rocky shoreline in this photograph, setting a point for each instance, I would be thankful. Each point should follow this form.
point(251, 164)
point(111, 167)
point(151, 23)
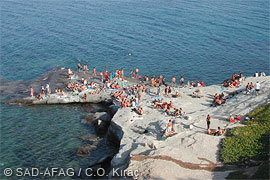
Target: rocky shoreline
point(190, 153)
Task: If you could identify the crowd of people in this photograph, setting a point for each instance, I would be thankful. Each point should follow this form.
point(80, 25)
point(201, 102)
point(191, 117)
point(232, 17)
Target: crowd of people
point(234, 81)
point(130, 96)
point(261, 74)
point(168, 108)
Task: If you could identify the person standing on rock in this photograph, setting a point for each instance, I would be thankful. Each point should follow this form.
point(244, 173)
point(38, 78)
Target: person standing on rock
point(32, 92)
point(139, 94)
point(48, 89)
point(137, 72)
point(208, 121)
point(173, 81)
point(69, 71)
point(182, 80)
point(79, 65)
point(42, 90)
point(94, 71)
point(257, 88)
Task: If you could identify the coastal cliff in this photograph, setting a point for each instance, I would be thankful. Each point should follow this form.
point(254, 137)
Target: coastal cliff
point(190, 152)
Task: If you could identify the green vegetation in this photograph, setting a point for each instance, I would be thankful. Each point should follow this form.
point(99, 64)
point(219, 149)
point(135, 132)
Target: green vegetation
point(249, 143)
point(261, 115)
point(243, 143)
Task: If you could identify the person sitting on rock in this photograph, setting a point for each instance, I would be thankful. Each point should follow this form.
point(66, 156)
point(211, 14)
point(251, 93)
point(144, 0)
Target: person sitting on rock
point(73, 76)
point(182, 113)
point(157, 105)
point(217, 101)
point(168, 111)
point(62, 93)
point(169, 130)
point(178, 94)
point(176, 113)
point(231, 118)
point(171, 105)
point(39, 96)
point(75, 91)
point(169, 92)
point(220, 131)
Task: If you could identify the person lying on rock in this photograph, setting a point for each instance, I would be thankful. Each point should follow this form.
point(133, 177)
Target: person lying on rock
point(214, 132)
point(211, 132)
point(197, 93)
point(139, 110)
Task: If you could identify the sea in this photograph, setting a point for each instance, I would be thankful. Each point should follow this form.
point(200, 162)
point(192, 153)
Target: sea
point(204, 40)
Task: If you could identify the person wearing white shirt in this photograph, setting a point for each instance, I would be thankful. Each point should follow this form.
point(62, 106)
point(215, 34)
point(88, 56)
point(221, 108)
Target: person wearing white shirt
point(257, 88)
point(69, 71)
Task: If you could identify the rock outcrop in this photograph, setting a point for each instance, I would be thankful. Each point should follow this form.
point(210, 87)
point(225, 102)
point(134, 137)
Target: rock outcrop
point(142, 145)
point(85, 150)
point(190, 148)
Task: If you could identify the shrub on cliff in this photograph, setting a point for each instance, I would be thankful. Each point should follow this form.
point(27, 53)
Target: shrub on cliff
point(249, 142)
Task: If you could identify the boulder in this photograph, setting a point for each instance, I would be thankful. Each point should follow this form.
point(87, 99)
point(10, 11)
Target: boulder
point(40, 101)
point(89, 119)
point(114, 134)
point(85, 150)
point(113, 109)
point(89, 138)
point(53, 100)
point(103, 116)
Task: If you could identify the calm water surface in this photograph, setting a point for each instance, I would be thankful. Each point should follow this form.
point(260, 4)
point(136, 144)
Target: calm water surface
point(197, 39)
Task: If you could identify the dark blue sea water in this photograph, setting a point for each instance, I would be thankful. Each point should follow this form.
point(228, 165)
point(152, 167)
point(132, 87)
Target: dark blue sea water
point(197, 39)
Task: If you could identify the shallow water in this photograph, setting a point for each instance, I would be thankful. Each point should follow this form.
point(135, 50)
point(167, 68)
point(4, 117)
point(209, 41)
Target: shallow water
point(45, 136)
